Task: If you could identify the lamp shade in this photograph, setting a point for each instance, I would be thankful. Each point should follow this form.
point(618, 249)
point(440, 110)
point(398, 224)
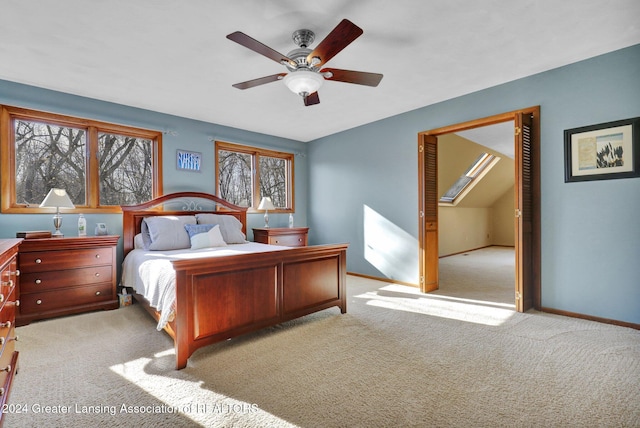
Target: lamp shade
point(57, 198)
point(266, 204)
point(303, 82)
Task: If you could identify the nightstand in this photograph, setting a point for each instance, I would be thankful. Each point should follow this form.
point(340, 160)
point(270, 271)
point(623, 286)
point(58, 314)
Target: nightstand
point(287, 236)
point(62, 276)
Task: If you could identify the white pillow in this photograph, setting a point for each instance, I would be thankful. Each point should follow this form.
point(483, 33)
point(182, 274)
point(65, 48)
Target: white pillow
point(230, 227)
point(204, 236)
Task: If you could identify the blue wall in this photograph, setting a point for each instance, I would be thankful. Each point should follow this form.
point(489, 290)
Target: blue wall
point(180, 133)
point(360, 186)
point(364, 187)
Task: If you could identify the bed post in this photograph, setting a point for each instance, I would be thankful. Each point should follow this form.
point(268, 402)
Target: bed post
point(183, 320)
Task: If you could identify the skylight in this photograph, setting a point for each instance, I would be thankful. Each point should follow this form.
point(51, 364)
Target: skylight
point(470, 178)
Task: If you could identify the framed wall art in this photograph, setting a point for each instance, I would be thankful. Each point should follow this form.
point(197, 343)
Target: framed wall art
point(603, 151)
point(188, 161)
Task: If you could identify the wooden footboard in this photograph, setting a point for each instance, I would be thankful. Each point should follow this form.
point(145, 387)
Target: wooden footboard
point(224, 297)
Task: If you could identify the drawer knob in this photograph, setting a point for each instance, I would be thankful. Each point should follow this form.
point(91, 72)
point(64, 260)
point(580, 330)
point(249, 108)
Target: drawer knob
point(97, 293)
point(38, 261)
point(11, 283)
point(6, 369)
point(17, 302)
point(1, 298)
point(1, 341)
point(5, 324)
point(1, 392)
point(17, 272)
point(97, 256)
point(38, 281)
point(97, 274)
point(38, 302)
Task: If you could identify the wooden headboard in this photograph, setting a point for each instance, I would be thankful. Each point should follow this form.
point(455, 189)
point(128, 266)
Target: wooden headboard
point(181, 203)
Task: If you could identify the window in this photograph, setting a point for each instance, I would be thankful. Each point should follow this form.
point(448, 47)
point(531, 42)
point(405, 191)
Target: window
point(100, 165)
point(247, 174)
point(466, 181)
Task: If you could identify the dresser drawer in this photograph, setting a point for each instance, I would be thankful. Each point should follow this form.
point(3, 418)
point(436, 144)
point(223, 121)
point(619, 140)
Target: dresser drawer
point(286, 236)
point(44, 301)
point(8, 312)
point(39, 261)
point(287, 240)
point(8, 278)
point(42, 281)
point(7, 344)
point(8, 362)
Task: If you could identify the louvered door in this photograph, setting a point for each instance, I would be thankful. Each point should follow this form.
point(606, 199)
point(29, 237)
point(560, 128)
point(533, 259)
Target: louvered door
point(524, 211)
point(428, 165)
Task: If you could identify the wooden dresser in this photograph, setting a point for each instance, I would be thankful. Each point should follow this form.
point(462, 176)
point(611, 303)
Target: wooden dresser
point(8, 303)
point(62, 276)
point(287, 236)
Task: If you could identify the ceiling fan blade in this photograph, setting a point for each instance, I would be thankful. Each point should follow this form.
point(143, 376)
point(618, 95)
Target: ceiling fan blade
point(344, 33)
point(349, 76)
point(312, 99)
point(262, 49)
point(260, 81)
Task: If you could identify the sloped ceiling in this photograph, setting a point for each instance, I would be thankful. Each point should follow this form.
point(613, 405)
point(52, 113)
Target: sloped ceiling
point(455, 155)
point(173, 57)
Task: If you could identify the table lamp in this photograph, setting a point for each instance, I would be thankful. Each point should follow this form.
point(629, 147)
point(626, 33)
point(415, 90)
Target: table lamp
point(266, 205)
point(57, 198)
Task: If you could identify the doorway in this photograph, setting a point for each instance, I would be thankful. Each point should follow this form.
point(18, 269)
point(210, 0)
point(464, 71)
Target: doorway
point(526, 203)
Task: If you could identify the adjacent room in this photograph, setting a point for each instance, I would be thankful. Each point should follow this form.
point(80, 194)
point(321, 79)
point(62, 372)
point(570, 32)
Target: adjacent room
point(271, 213)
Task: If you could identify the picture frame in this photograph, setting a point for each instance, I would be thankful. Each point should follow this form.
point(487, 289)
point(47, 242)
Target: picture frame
point(188, 161)
point(603, 151)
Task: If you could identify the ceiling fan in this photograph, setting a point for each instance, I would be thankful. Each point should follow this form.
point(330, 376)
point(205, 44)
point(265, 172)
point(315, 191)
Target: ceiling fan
point(305, 75)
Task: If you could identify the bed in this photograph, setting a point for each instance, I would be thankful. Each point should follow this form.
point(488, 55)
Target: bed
point(228, 290)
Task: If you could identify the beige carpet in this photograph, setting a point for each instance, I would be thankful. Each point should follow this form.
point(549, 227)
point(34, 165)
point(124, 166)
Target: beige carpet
point(484, 276)
point(396, 359)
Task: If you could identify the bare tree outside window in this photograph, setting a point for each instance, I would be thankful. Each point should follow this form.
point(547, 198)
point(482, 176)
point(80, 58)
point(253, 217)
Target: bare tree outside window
point(247, 174)
point(100, 165)
point(235, 178)
point(126, 169)
point(49, 156)
point(273, 180)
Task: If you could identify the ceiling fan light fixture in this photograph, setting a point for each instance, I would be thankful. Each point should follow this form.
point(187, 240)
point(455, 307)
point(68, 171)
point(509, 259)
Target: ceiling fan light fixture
point(303, 82)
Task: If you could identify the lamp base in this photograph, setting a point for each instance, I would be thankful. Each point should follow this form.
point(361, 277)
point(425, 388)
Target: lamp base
point(57, 223)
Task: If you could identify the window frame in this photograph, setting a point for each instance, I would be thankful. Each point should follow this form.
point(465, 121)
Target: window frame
point(93, 128)
point(255, 153)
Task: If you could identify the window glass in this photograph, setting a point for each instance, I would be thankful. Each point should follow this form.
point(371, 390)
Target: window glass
point(48, 156)
point(234, 177)
point(125, 169)
point(247, 174)
point(100, 165)
point(273, 180)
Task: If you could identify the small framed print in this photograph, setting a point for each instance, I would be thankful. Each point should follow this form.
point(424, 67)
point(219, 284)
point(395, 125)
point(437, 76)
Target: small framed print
point(188, 161)
point(603, 151)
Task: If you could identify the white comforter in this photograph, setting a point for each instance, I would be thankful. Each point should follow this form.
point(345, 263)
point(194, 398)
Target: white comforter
point(151, 273)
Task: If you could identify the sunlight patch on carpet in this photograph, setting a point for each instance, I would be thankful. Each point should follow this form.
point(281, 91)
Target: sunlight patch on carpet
point(410, 299)
point(173, 392)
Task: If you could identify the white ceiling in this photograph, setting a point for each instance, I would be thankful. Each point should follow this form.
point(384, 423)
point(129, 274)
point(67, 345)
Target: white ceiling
point(173, 57)
point(499, 137)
